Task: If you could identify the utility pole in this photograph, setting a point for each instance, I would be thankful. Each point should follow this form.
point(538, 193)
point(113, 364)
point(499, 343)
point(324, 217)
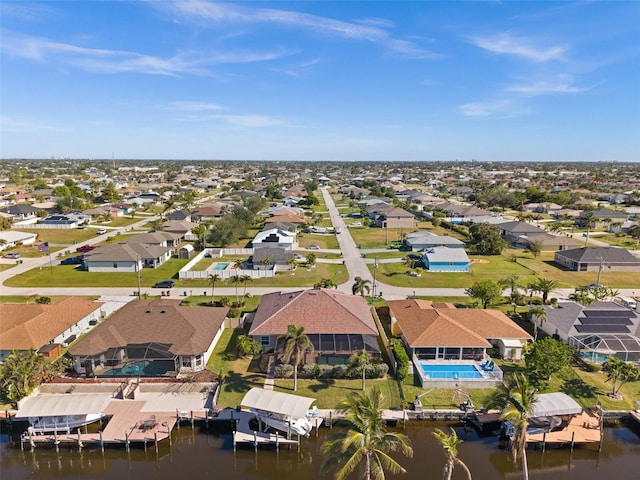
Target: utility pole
point(138, 272)
point(600, 270)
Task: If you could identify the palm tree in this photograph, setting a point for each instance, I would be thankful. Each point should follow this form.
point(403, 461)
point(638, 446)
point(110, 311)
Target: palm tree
point(367, 443)
point(537, 313)
point(545, 286)
point(238, 264)
point(236, 279)
point(325, 283)
point(516, 398)
point(266, 261)
point(311, 259)
point(20, 373)
point(360, 360)
point(450, 444)
point(618, 373)
point(292, 264)
point(295, 345)
point(634, 232)
point(213, 278)
point(360, 286)
point(245, 279)
point(588, 218)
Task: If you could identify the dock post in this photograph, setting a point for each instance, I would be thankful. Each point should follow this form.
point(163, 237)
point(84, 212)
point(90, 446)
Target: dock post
point(544, 440)
point(31, 442)
point(178, 419)
point(255, 441)
point(330, 419)
point(8, 417)
point(404, 417)
point(192, 420)
point(233, 436)
point(277, 441)
point(55, 439)
point(79, 441)
point(101, 442)
point(155, 440)
point(298, 435)
point(126, 441)
point(573, 434)
point(206, 418)
point(169, 431)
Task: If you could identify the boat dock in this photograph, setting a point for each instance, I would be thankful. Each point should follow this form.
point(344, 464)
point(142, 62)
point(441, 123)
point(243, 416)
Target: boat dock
point(583, 428)
point(244, 434)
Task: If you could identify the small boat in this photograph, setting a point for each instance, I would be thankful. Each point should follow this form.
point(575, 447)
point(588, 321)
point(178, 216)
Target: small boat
point(60, 424)
point(300, 426)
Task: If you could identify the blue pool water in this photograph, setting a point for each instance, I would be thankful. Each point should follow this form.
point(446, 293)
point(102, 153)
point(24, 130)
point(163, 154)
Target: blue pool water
point(450, 372)
point(220, 266)
point(143, 368)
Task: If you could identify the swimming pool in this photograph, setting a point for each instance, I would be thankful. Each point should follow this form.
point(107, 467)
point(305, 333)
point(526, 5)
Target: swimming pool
point(451, 372)
point(220, 266)
point(141, 368)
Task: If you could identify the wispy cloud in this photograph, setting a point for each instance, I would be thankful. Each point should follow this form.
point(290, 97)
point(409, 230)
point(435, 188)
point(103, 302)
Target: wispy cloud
point(370, 30)
point(118, 61)
point(505, 43)
point(27, 12)
point(26, 125)
point(188, 106)
point(560, 85)
point(501, 108)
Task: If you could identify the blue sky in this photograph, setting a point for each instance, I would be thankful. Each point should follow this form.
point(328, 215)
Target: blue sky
point(501, 81)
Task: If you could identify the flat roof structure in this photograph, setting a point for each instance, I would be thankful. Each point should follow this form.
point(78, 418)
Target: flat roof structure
point(277, 402)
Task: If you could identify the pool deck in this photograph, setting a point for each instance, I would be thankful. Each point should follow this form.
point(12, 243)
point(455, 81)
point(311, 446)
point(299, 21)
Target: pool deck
point(489, 377)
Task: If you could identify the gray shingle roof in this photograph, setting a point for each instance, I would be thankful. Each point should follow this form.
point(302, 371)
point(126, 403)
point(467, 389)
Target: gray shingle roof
point(607, 255)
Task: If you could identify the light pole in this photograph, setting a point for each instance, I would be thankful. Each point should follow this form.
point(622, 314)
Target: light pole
point(373, 289)
point(599, 271)
point(138, 274)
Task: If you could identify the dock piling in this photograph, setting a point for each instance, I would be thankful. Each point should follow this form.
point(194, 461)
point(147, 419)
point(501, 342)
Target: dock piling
point(277, 441)
point(126, 440)
point(101, 442)
point(544, 441)
point(55, 440)
point(255, 441)
point(573, 435)
point(155, 440)
point(79, 441)
point(330, 419)
point(192, 420)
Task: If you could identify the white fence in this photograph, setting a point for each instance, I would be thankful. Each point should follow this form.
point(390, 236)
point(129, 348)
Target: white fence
point(185, 272)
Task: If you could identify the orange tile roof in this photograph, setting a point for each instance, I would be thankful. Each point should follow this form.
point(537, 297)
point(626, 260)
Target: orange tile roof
point(285, 219)
point(425, 324)
point(318, 310)
point(31, 325)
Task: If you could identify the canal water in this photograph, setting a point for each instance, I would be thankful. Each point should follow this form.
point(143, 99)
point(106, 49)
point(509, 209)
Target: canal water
point(197, 454)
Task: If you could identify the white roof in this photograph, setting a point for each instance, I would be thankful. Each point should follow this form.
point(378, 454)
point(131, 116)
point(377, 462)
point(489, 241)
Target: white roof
point(511, 342)
point(446, 254)
point(47, 405)
point(551, 404)
point(277, 402)
point(15, 236)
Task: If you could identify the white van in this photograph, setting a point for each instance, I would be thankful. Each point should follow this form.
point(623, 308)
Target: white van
point(627, 302)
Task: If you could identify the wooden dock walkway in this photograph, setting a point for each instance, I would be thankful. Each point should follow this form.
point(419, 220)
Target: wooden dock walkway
point(583, 428)
point(244, 434)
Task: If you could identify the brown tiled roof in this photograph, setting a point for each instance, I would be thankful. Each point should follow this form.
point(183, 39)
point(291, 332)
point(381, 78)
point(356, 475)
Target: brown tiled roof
point(186, 330)
point(318, 310)
point(31, 325)
point(425, 324)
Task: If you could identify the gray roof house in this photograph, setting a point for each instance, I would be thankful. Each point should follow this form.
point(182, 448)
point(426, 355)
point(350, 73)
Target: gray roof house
point(423, 239)
point(596, 331)
point(124, 257)
point(590, 259)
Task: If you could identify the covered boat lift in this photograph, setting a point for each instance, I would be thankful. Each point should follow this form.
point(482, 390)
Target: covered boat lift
point(285, 404)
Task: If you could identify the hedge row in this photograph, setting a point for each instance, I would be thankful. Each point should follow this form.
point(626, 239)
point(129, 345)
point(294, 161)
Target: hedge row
point(377, 370)
point(402, 359)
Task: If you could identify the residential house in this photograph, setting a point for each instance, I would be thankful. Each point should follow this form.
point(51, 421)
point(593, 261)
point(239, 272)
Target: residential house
point(423, 239)
point(274, 237)
point(596, 331)
point(208, 212)
point(157, 238)
point(160, 337)
point(459, 213)
point(123, 257)
point(545, 207)
point(66, 221)
point(337, 324)
point(393, 217)
point(286, 218)
point(440, 332)
point(182, 228)
point(46, 328)
point(446, 259)
point(12, 238)
point(21, 212)
point(593, 259)
point(602, 217)
point(179, 215)
point(278, 257)
point(523, 235)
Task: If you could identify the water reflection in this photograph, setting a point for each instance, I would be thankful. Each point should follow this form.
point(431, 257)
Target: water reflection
point(198, 454)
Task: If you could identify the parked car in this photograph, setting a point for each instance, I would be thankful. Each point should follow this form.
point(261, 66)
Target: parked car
point(356, 224)
point(85, 248)
point(12, 255)
point(72, 260)
point(313, 247)
point(164, 284)
point(101, 231)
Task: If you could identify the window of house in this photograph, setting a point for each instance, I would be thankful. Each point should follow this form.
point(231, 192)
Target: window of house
point(115, 265)
point(264, 341)
point(186, 362)
point(198, 360)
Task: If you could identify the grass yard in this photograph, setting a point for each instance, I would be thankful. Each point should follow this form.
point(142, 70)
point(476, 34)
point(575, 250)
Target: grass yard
point(239, 374)
point(61, 236)
point(118, 222)
point(72, 276)
point(323, 240)
point(31, 299)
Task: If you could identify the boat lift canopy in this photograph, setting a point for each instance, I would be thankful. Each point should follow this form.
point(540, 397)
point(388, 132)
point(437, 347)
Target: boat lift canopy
point(553, 404)
point(49, 405)
point(277, 402)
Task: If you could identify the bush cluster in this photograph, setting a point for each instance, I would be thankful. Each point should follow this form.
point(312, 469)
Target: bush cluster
point(402, 359)
point(376, 370)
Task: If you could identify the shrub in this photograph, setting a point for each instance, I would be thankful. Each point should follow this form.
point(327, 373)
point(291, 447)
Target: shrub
point(401, 357)
point(284, 370)
point(338, 371)
point(377, 370)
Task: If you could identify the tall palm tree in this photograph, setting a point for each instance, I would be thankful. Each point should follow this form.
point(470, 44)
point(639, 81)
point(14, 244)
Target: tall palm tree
point(634, 232)
point(213, 278)
point(360, 285)
point(537, 314)
point(618, 373)
point(245, 279)
point(236, 279)
point(360, 360)
point(545, 286)
point(292, 264)
point(20, 373)
point(588, 219)
point(516, 398)
point(450, 444)
point(367, 443)
point(296, 344)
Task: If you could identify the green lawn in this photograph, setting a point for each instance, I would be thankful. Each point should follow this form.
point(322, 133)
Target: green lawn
point(31, 299)
point(61, 236)
point(118, 222)
point(322, 240)
point(72, 276)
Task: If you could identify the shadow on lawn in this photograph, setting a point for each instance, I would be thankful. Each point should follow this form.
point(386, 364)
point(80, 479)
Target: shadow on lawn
point(577, 388)
point(239, 383)
point(323, 384)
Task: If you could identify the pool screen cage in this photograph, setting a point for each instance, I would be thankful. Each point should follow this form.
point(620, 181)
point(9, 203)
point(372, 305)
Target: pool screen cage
point(623, 345)
point(337, 342)
point(137, 352)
